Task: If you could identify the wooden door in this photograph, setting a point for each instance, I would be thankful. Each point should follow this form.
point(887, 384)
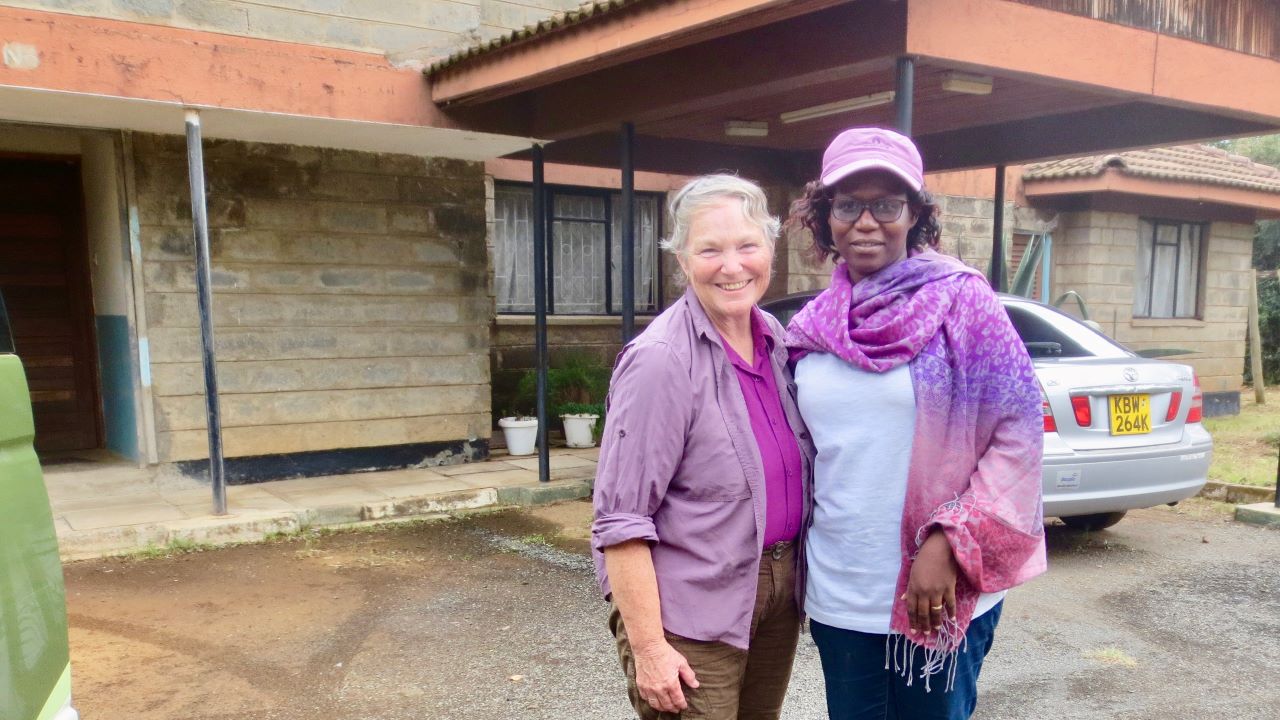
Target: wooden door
point(44, 274)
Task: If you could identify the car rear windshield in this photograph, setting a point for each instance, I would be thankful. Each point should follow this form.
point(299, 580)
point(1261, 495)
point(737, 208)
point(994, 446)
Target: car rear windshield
point(1051, 334)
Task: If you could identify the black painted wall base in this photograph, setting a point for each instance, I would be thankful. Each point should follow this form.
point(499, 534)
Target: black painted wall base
point(1222, 403)
point(261, 468)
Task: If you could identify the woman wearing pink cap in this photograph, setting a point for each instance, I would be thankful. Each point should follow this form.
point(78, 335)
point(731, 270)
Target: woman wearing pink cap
point(925, 411)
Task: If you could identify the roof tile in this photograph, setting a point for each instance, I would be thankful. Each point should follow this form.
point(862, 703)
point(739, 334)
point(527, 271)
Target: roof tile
point(1183, 163)
point(559, 20)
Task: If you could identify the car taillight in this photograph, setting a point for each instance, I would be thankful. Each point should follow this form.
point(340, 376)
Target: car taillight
point(1084, 416)
point(1196, 412)
point(1175, 401)
point(1049, 424)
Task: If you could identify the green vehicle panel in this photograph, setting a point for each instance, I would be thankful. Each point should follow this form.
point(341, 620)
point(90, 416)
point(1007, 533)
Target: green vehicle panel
point(35, 679)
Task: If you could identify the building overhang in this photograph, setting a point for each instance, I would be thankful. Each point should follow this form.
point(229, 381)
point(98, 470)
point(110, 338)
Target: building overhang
point(1058, 192)
point(1059, 84)
point(74, 71)
point(107, 112)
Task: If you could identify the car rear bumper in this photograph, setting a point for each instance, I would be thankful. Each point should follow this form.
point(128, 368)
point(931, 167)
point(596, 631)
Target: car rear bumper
point(1097, 481)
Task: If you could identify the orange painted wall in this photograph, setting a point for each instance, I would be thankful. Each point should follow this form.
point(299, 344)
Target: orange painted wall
point(150, 62)
point(978, 183)
point(522, 171)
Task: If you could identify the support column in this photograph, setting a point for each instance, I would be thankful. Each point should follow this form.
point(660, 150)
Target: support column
point(204, 298)
point(997, 236)
point(1046, 263)
point(540, 309)
point(628, 233)
point(904, 93)
point(1255, 344)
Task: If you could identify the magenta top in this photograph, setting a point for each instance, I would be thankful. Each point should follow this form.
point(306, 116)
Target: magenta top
point(779, 452)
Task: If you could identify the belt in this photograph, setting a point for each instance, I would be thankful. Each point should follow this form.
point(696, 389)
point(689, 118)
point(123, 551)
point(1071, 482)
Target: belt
point(777, 549)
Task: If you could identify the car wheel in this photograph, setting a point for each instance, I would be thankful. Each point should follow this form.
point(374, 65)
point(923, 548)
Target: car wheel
point(1096, 521)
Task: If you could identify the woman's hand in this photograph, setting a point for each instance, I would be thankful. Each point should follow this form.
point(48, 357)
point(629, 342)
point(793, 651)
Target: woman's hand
point(659, 667)
point(931, 588)
point(659, 670)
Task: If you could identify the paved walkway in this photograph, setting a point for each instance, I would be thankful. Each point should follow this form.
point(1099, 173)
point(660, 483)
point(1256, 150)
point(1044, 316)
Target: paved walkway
point(105, 508)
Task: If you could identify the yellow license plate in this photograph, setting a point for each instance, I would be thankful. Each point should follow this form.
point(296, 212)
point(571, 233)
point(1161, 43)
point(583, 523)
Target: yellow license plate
point(1130, 414)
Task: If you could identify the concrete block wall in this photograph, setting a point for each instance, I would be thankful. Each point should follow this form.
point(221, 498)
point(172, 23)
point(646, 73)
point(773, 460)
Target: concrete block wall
point(351, 301)
point(1095, 254)
point(967, 224)
point(406, 29)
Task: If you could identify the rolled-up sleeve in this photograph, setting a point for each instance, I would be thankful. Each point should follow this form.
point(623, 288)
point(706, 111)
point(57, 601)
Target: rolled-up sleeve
point(649, 412)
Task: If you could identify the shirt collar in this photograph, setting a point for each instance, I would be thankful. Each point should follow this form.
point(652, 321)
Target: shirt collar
point(703, 325)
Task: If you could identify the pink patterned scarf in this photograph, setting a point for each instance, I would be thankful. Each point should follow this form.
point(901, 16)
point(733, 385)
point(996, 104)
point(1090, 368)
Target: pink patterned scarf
point(975, 469)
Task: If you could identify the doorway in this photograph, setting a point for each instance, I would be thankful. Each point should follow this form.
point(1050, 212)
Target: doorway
point(44, 274)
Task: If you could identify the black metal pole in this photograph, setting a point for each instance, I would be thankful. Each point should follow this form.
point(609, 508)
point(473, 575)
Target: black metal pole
point(1277, 487)
point(628, 233)
point(540, 309)
point(997, 235)
point(204, 298)
point(904, 93)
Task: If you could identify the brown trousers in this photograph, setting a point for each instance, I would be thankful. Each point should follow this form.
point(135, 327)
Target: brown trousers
point(734, 684)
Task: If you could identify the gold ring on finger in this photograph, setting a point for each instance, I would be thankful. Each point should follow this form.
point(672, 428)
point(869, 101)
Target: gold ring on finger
point(935, 607)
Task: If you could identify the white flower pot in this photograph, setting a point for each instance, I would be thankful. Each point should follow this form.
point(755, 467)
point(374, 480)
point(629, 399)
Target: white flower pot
point(521, 434)
point(577, 430)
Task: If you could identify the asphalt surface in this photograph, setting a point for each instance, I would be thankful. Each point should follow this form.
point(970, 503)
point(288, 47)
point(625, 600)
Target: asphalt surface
point(1172, 613)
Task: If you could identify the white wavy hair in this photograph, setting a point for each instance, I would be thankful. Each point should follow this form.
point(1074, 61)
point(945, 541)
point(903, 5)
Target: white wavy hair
point(707, 190)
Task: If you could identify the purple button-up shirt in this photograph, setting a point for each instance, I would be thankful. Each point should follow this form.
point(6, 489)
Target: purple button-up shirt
point(779, 451)
point(679, 467)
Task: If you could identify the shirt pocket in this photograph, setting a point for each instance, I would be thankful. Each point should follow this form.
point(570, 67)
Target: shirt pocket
point(713, 487)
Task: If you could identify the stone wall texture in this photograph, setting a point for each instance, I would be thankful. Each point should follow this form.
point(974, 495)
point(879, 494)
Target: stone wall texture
point(351, 301)
point(1095, 254)
point(405, 29)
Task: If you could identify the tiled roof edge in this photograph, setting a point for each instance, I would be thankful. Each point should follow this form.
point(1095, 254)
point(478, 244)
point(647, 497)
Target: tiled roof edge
point(557, 21)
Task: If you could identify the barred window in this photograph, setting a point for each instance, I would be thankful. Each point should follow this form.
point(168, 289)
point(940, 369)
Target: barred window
point(584, 250)
point(1167, 280)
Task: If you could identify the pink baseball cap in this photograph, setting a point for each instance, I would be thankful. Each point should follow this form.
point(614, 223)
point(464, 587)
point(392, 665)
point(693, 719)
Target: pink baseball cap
point(872, 148)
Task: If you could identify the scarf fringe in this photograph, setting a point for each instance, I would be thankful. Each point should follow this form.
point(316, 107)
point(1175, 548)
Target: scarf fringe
point(900, 655)
point(963, 504)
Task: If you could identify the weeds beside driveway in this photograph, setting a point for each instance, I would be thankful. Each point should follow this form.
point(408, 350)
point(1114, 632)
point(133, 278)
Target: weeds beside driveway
point(1245, 446)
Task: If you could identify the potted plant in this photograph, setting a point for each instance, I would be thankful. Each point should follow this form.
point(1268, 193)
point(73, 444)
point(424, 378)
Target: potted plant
point(576, 385)
point(520, 433)
point(581, 423)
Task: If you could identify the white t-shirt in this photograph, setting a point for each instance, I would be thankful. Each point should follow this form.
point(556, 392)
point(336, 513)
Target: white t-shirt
point(862, 424)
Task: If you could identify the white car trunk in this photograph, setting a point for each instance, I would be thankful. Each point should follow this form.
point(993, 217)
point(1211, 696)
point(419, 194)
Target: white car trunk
point(1143, 391)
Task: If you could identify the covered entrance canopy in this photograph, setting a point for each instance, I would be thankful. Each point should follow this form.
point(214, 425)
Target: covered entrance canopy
point(761, 85)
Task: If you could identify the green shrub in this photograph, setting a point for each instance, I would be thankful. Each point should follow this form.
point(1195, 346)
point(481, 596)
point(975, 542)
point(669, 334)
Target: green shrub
point(576, 377)
point(574, 408)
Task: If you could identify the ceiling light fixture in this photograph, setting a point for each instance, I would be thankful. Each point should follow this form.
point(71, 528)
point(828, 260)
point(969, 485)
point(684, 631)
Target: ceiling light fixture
point(746, 128)
point(967, 83)
point(835, 108)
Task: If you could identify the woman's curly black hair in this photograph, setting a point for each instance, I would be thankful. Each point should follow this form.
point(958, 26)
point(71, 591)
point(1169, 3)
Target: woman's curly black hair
point(813, 209)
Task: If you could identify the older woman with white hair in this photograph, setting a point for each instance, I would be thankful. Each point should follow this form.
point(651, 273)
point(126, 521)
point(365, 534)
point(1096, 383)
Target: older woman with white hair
point(701, 490)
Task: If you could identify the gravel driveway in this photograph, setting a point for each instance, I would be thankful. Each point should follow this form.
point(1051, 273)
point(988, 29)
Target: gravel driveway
point(1172, 613)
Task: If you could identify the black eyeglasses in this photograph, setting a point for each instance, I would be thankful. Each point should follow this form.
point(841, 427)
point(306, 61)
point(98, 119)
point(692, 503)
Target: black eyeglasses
point(885, 210)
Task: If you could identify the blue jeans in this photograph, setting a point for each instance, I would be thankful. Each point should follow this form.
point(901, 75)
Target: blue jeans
point(860, 688)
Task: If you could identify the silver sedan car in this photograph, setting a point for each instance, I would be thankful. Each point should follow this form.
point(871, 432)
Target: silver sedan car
point(1121, 431)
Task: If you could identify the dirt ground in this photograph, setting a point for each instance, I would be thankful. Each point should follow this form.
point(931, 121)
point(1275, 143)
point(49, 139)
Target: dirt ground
point(1172, 613)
